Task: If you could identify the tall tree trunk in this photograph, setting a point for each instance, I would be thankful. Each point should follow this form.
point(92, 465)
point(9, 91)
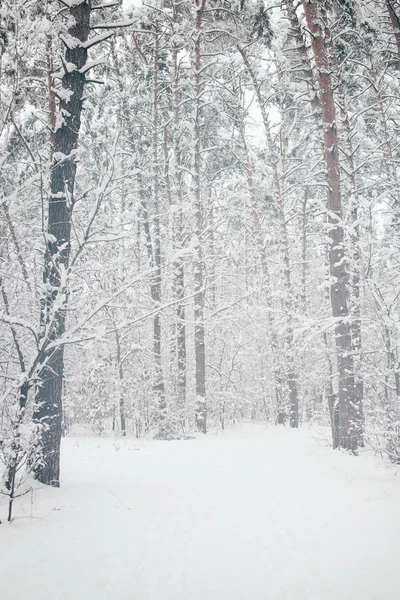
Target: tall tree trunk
point(390, 162)
point(152, 231)
point(346, 435)
point(305, 67)
point(353, 246)
point(304, 262)
point(349, 155)
point(395, 20)
point(266, 280)
point(157, 278)
point(179, 270)
point(199, 337)
point(48, 405)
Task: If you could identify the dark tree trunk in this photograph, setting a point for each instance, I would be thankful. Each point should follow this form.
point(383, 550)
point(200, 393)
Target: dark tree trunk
point(48, 405)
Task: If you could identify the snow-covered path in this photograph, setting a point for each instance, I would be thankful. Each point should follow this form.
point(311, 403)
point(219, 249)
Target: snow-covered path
point(250, 515)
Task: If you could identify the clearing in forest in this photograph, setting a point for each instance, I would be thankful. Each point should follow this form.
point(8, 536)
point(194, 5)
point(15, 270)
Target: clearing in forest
point(254, 514)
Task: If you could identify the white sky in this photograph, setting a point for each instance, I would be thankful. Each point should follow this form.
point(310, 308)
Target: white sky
point(129, 3)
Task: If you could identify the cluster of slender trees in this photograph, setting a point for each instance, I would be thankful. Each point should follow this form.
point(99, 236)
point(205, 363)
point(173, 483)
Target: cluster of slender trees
point(200, 212)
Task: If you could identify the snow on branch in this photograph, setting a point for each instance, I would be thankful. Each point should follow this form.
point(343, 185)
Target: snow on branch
point(106, 5)
point(113, 25)
point(91, 65)
point(14, 321)
point(69, 40)
point(97, 39)
point(71, 3)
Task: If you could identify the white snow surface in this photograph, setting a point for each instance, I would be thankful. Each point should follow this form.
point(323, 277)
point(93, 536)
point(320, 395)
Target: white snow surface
point(253, 514)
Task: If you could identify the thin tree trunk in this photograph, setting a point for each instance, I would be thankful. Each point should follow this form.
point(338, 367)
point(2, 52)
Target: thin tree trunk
point(151, 226)
point(333, 403)
point(17, 450)
point(291, 375)
point(120, 367)
point(157, 278)
point(281, 416)
point(199, 337)
point(304, 262)
point(390, 162)
point(179, 270)
point(305, 65)
point(16, 243)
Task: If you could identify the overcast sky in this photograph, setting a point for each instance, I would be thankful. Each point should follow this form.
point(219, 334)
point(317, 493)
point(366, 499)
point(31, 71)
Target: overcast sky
point(128, 3)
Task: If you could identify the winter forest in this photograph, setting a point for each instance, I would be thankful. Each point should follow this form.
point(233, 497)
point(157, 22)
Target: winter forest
point(200, 299)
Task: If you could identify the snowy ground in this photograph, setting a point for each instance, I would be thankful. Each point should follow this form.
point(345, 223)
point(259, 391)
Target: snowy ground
point(255, 514)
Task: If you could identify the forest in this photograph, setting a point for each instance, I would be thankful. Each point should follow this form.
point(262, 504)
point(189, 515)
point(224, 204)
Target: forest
point(199, 210)
point(200, 234)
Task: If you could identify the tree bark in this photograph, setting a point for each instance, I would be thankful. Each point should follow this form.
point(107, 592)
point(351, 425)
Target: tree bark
point(353, 247)
point(48, 403)
point(305, 65)
point(346, 434)
point(395, 20)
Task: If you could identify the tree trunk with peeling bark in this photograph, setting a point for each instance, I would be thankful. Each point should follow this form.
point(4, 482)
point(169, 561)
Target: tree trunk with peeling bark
point(354, 307)
point(344, 429)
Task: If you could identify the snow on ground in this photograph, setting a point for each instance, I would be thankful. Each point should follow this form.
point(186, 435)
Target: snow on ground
point(255, 514)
